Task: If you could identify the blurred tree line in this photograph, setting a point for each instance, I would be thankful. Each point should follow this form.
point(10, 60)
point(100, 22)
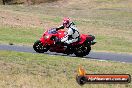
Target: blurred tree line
point(9, 2)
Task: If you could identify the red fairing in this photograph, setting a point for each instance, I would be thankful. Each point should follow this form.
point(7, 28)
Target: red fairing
point(83, 38)
point(46, 38)
point(61, 33)
point(42, 40)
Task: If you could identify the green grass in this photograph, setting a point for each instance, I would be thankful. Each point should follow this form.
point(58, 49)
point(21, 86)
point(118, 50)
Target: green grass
point(23, 36)
point(48, 71)
point(113, 44)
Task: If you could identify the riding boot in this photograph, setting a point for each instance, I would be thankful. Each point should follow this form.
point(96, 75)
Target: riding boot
point(69, 49)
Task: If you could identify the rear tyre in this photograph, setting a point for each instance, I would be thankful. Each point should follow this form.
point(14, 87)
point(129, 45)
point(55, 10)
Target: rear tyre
point(38, 47)
point(82, 51)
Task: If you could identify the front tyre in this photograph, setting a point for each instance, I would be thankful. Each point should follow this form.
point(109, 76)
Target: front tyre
point(82, 51)
point(38, 47)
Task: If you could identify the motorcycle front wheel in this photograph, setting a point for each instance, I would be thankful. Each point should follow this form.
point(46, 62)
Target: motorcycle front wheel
point(38, 47)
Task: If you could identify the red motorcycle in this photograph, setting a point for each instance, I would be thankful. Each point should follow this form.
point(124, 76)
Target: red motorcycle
point(48, 43)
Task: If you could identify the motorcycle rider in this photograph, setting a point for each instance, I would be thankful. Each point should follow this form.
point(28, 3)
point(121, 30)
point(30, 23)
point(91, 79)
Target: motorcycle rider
point(73, 34)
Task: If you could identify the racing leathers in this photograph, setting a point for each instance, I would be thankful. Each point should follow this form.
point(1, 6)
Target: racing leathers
point(73, 34)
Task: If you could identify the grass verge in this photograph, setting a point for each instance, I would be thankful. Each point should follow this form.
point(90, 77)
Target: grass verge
point(27, 70)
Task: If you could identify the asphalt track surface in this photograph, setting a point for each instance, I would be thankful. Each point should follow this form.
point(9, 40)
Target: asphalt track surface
point(93, 55)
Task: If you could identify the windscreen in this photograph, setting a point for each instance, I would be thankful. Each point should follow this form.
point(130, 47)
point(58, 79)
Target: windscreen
point(52, 31)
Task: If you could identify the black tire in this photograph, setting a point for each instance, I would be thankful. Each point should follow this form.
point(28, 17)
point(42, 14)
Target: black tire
point(82, 51)
point(38, 47)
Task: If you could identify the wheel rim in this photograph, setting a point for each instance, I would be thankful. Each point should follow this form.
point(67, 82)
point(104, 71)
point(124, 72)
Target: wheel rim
point(82, 51)
point(38, 47)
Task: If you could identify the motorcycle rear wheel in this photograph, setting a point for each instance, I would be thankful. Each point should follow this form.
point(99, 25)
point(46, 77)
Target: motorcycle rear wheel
point(82, 51)
point(38, 47)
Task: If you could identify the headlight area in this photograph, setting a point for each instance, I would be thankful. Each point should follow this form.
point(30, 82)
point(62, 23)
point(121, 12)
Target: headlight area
point(46, 36)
